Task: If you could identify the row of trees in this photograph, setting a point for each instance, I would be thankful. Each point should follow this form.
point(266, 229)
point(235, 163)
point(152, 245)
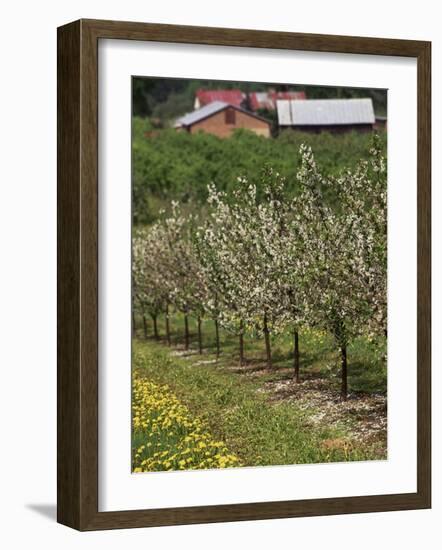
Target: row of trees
point(269, 264)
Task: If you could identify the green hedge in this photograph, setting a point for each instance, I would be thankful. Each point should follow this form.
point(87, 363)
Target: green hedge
point(176, 165)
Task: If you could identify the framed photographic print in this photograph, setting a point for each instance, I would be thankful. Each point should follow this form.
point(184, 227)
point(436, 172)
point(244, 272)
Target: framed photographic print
point(243, 275)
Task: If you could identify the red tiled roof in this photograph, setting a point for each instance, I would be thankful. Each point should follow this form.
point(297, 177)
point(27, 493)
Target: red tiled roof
point(234, 97)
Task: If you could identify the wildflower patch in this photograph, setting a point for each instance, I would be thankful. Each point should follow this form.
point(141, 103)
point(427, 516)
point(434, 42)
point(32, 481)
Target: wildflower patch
point(167, 437)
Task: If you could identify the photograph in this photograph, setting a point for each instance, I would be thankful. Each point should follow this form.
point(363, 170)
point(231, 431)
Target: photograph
point(259, 274)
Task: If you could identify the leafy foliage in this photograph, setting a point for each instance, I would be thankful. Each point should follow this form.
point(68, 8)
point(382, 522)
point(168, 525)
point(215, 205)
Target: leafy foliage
point(175, 165)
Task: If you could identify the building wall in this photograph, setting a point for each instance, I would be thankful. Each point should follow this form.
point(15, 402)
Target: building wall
point(216, 124)
point(334, 129)
point(380, 124)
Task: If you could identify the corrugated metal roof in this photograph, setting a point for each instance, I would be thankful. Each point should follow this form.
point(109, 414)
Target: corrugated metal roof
point(261, 96)
point(324, 112)
point(234, 97)
point(287, 95)
point(199, 114)
point(209, 110)
point(260, 100)
point(267, 100)
point(284, 112)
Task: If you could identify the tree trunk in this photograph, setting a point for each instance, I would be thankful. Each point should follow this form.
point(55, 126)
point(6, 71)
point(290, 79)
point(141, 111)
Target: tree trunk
point(296, 356)
point(200, 339)
point(344, 387)
point(217, 338)
point(241, 344)
point(167, 325)
point(267, 341)
point(186, 331)
point(155, 327)
point(134, 327)
point(145, 326)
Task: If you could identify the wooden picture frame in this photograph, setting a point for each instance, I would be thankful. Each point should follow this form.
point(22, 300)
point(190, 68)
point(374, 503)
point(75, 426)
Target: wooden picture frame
point(77, 460)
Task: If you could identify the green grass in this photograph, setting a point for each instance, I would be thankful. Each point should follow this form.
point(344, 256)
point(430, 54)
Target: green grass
point(231, 401)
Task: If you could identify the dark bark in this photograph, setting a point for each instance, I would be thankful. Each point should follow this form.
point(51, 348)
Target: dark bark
point(200, 338)
point(267, 342)
point(241, 344)
point(217, 338)
point(167, 326)
point(296, 356)
point(145, 326)
point(186, 332)
point(155, 327)
point(344, 385)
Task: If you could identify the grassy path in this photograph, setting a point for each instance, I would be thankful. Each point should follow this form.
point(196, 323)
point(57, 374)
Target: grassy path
point(235, 409)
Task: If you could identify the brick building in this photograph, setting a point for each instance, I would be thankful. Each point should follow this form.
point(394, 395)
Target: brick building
point(221, 119)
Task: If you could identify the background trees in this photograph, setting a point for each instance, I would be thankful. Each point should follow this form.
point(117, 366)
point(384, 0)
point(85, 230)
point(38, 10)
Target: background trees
point(170, 97)
point(175, 165)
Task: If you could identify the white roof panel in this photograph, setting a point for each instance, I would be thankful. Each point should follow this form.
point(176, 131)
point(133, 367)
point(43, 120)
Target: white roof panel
point(199, 114)
point(324, 112)
point(284, 112)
